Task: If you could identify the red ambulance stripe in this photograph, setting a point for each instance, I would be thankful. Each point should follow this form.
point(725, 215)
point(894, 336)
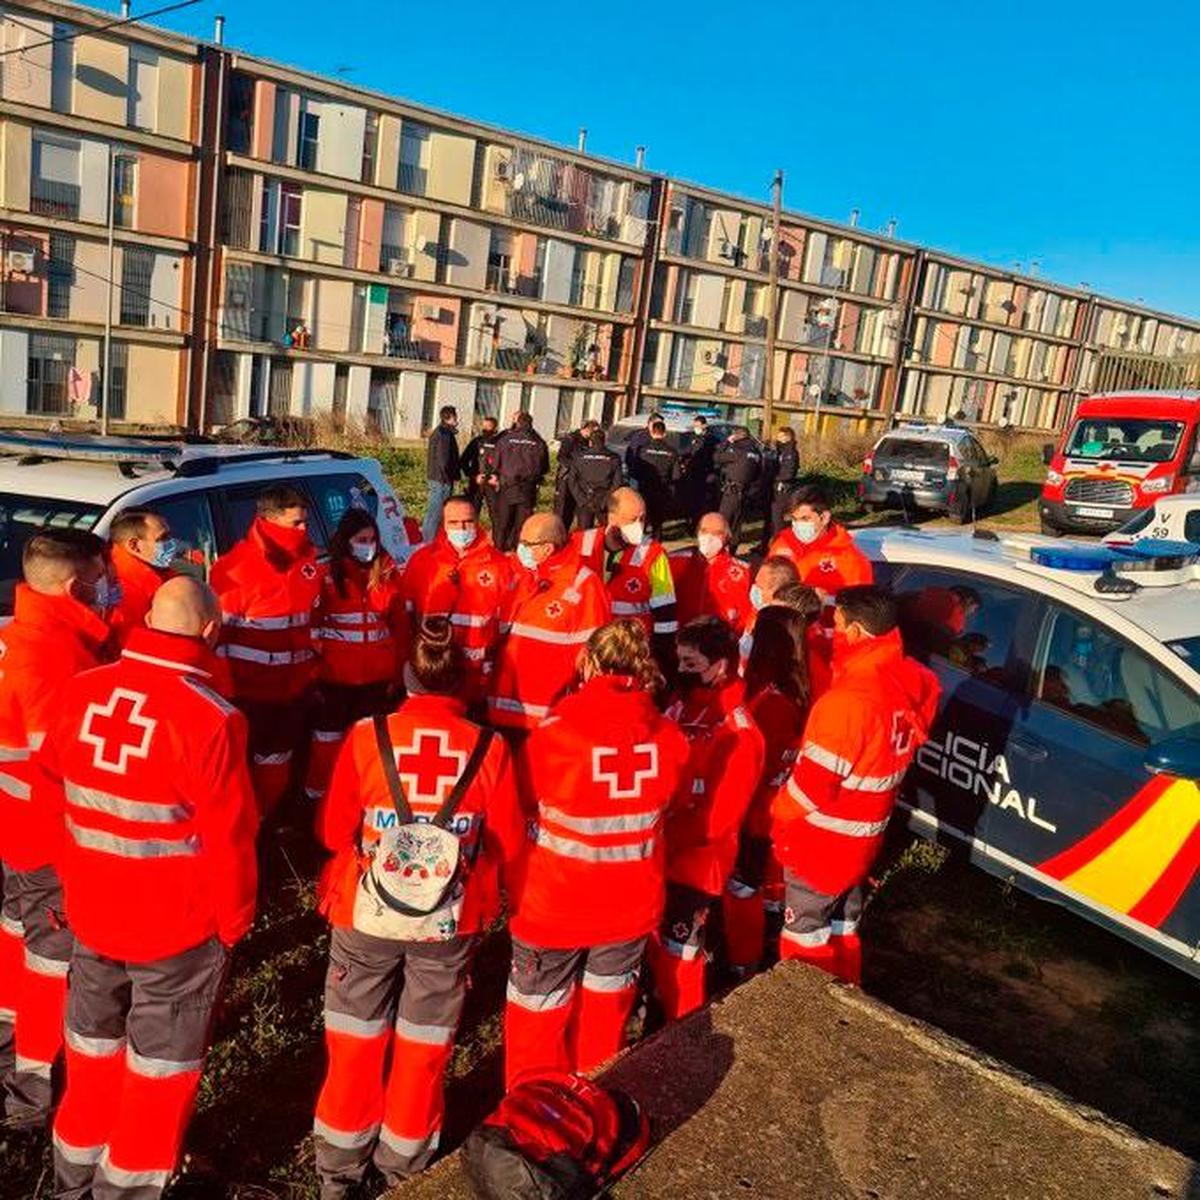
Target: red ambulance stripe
point(1099, 840)
point(1156, 905)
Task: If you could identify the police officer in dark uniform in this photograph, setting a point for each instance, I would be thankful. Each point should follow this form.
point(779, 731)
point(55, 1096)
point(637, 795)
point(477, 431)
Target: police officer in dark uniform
point(522, 460)
point(637, 439)
point(478, 463)
point(787, 477)
point(696, 491)
point(657, 474)
point(739, 463)
point(569, 445)
point(595, 475)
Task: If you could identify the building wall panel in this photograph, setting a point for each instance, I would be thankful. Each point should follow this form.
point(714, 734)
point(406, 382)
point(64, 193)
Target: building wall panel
point(93, 181)
point(466, 263)
point(340, 140)
point(152, 388)
point(16, 145)
point(14, 370)
point(162, 195)
point(387, 151)
point(264, 119)
point(101, 79)
point(435, 327)
point(175, 79)
point(410, 405)
point(427, 229)
point(556, 274)
point(451, 166)
point(332, 311)
point(28, 65)
point(312, 387)
point(323, 226)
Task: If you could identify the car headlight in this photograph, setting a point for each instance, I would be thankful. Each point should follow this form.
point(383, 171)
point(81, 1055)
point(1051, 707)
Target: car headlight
point(1054, 478)
point(1152, 487)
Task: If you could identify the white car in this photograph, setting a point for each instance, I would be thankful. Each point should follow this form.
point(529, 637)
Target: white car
point(206, 492)
point(1171, 519)
point(1066, 752)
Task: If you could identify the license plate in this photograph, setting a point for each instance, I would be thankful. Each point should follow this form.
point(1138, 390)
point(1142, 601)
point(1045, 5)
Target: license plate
point(903, 476)
point(1084, 511)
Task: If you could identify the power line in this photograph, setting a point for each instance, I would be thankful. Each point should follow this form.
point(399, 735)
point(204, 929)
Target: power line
point(93, 29)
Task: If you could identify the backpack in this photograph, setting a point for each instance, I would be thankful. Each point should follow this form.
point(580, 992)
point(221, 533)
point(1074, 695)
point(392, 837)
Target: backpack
point(412, 889)
point(555, 1137)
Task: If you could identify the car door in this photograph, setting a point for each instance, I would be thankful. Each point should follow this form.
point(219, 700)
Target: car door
point(981, 473)
point(1079, 804)
point(972, 630)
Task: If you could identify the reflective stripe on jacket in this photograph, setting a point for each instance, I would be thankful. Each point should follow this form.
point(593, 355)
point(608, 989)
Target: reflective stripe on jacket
point(718, 587)
point(360, 632)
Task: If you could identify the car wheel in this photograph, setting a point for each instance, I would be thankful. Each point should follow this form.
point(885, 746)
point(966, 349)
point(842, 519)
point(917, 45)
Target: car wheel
point(990, 498)
point(1050, 530)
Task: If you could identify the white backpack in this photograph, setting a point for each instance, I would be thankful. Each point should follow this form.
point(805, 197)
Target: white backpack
point(413, 887)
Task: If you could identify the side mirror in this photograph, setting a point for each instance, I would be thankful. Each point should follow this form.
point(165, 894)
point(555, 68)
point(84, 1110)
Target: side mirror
point(1048, 453)
point(1178, 755)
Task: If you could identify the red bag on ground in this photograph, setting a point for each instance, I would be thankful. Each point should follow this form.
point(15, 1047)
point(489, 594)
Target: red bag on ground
point(555, 1137)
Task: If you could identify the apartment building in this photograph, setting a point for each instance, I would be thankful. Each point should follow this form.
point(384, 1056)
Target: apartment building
point(95, 128)
point(285, 244)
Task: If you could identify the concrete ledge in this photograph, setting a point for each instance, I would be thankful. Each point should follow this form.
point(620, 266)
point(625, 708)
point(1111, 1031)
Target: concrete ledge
point(794, 1086)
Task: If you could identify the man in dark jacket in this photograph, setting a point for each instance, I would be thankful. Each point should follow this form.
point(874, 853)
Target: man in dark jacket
point(441, 469)
point(637, 439)
point(478, 462)
point(595, 474)
point(696, 493)
point(569, 445)
point(787, 478)
point(522, 460)
point(739, 462)
point(657, 474)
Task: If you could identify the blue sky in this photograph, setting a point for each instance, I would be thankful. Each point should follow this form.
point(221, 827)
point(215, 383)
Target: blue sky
point(1063, 133)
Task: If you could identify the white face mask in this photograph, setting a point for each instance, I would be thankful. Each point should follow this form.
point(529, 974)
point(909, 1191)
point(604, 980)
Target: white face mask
point(710, 544)
point(364, 552)
point(805, 531)
point(633, 532)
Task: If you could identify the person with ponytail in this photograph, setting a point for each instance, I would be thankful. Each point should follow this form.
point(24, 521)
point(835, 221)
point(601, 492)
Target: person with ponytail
point(422, 818)
point(777, 695)
point(598, 774)
point(361, 635)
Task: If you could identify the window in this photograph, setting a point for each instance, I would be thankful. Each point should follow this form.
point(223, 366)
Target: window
point(310, 128)
point(118, 387)
point(1128, 438)
point(137, 269)
point(21, 516)
point(370, 142)
point(414, 158)
point(1088, 671)
point(333, 496)
point(290, 205)
point(1191, 526)
point(54, 186)
point(51, 363)
point(124, 189)
point(142, 104)
point(241, 113)
point(60, 275)
point(966, 620)
point(192, 527)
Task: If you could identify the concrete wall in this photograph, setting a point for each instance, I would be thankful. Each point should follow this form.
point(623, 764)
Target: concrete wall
point(27, 65)
point(332, 310)
point(101, 79)
point(467, 262)
point(16, 150)
point(152, 384)
point(14, 369)
point(451, 163)
point(162, 195)
point(323, 226)
point(340, 138)
point(460, 393)
point(312, 387)
point(437, 334)
point(410, 404)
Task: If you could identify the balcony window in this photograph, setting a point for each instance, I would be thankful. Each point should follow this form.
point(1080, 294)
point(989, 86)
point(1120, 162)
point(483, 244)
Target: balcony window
point(124, 190)
point(626, 284)
point(117, 387)
point(48, 375)
point(142, 101)
point(54, 186)
point(414, 158)
point(306, 139)
point(137, 268)
point(370, 142)
point(60, 274)
point(290, 204)
point(241, 113)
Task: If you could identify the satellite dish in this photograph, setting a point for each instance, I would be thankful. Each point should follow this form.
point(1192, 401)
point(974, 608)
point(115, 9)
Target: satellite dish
point(518, 181)
point(814, 389)
point(768, 233)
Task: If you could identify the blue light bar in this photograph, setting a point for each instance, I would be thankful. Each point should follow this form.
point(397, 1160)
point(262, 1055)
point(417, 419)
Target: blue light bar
point(1073, 558)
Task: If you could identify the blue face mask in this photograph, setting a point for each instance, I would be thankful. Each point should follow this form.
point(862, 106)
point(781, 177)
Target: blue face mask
point(805, 531)
point(460, 539)
point(525, 557)
point(757, 599)
point(165, 553)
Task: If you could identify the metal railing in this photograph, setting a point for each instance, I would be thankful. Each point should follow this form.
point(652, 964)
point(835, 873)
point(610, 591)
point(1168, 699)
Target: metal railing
point(51, 199)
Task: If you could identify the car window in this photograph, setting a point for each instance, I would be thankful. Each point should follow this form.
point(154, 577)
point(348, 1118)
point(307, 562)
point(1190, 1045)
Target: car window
point(334, 495)
point(1139, 521)
point(1086, 669)
point(21, 516)
point(239, 505)
point(914, 450)
point(966, 620)
point(191, 524)
point(1191, 526)
point(975, 451)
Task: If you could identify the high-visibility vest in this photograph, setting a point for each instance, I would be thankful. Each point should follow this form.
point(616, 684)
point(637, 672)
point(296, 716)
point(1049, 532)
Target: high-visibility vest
point(360, 632)
point(717, 587)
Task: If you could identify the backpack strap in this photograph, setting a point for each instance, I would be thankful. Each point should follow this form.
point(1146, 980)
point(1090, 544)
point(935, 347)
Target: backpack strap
point(387, 757)
point(446, 812)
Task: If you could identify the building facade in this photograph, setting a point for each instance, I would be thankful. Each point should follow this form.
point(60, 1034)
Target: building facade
point(284, 244)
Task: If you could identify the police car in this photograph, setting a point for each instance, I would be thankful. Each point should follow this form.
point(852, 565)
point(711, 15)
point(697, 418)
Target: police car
point(206, 492)
point(1066, 751)
point(1173, 518)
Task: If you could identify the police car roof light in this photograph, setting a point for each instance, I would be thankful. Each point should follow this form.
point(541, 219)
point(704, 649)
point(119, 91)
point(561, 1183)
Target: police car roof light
point(1073, 558)
point(35, 447)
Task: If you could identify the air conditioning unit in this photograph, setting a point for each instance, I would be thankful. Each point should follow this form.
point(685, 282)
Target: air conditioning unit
point(503, 170)
point(23, 262)
point(399, 266)
point(431, 312)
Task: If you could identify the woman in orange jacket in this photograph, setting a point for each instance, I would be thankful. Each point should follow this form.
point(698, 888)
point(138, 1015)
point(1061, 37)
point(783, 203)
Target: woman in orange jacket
point(600, 772)
point(422, 812)
point(361, 636)
point(777, 695)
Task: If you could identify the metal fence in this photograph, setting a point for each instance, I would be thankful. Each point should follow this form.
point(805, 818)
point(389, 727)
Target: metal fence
point(1118, 371)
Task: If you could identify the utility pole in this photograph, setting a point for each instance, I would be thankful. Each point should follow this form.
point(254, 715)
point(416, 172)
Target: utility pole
point(772, 307)
point(106, 371)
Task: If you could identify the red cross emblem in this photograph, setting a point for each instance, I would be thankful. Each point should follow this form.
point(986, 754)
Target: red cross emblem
point(735, 574)
point(828, 565)
point(308, 571)
point(485, 579)
point(633, 586)
point(428, 767)
point(554, 609)
point(117, 731)
point(624, 771)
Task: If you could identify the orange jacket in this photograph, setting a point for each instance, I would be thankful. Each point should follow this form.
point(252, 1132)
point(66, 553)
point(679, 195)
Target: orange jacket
point(601, 771)
point(718, 587)
point(469, 589)
point(361, 632)
point(829, 564)
point(828, 822)
point(781, 721)
point(49, 640)
point(139, 581)
point(433, 740)
point(639, 579)
point(146, 769)
point(548, 615)
point(725, 764)
point(268, 585)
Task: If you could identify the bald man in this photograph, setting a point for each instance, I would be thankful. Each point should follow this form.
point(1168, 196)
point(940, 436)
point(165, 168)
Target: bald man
point(147, 764)
point(709, 580)
point(554, 604)
point(636, 571)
